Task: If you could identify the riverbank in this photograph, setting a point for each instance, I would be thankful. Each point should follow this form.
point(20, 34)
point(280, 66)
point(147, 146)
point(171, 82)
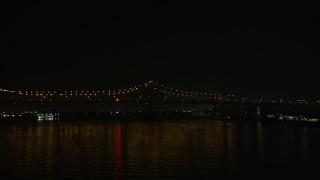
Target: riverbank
point(138, 115)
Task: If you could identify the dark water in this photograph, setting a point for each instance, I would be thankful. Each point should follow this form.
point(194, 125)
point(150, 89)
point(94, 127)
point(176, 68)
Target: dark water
point(170, 149)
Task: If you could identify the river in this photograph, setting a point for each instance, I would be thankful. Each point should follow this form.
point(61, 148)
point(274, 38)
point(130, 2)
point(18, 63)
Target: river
point(158, 149)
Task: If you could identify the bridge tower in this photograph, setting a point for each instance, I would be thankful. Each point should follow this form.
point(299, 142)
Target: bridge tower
point(149, 97)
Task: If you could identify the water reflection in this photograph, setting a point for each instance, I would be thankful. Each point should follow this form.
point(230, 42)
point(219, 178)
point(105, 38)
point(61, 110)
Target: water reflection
point(117, 152)
point(162, 149)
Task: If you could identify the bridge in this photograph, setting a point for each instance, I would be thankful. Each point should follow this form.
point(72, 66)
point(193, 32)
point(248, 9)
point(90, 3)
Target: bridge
point(148, 97)
point(149, 91)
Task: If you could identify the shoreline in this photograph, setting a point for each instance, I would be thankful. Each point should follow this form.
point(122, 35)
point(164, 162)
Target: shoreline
point(136, 115)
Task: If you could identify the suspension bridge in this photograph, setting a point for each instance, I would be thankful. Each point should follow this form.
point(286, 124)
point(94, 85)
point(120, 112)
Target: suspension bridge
point(147, 97)
point(148, 91)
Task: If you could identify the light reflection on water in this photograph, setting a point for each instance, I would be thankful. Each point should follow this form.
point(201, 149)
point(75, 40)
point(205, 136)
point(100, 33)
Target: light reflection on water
point(157, 149)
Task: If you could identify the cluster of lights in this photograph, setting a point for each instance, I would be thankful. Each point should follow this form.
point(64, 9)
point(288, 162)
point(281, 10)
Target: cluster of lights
point(302, 101)
point(47, 116)
point(6, 90)
point(292, 117)
point(13, 114)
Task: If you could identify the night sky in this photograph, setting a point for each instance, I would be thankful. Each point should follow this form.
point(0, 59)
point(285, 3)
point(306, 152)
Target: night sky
point(248, 49)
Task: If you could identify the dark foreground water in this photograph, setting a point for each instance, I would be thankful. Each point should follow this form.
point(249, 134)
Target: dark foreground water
point(169, 149)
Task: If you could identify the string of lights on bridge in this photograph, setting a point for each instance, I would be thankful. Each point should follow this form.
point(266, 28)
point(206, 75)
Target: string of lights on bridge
point(114, 93)
point(83, 92)
point(71, 93)
point(166, 91)
point(188, 94)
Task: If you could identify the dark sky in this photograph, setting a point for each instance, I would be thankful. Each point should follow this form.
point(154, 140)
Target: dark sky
point(249, 49)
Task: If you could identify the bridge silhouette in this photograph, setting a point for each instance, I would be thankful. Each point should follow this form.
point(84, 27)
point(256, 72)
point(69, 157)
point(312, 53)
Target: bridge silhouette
point(149, 91)
point(148, 97)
